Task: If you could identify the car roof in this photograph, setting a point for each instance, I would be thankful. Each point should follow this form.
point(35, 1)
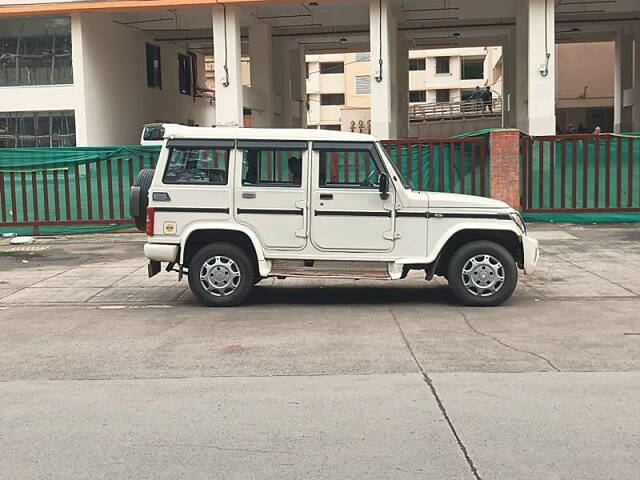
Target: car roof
point(236, 133)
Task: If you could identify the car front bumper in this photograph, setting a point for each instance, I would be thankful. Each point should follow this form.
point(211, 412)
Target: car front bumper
point(531, 253)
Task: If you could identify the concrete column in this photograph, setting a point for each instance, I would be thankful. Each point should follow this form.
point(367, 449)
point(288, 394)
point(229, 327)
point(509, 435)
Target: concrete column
point(636, 82)
point(260, 52)
point(623, 83)
point(82, 135)
point(402, 86)
point(535, 76)
point(521, 101)
point(289, 84)
point(541, 65)
point(509, 81)
point(227, 58)
point(385, 112)
point(505, 166)
point(281, 81)
point(298, 88)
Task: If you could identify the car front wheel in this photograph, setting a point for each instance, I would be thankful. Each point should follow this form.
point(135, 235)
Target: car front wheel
point(221, 275)
point(482, 274)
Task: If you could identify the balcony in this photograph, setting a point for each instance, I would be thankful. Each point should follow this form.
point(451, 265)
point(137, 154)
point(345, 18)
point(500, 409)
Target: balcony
point(425, 112)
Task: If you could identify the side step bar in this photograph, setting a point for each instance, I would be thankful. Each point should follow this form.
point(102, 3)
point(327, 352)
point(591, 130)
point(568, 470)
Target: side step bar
point(330, 268)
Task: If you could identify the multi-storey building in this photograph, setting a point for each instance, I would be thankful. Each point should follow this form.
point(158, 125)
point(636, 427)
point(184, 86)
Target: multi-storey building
point(339, 85)
point(92, 72)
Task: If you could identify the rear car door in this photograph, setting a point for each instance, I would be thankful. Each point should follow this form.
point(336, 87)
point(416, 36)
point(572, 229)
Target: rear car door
point(348, 213)
point(194, 184)
point(271, 191)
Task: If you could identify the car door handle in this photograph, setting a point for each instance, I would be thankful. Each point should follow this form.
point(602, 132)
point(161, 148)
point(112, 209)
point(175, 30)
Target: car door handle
point(248, 194)
point(326, 196)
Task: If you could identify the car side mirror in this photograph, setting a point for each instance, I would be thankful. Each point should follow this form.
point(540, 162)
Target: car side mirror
point(383, 186)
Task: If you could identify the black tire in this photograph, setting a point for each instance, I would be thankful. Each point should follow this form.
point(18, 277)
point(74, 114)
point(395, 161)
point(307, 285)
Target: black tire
point(139, 199)
point(243, 263)
point(485, 272)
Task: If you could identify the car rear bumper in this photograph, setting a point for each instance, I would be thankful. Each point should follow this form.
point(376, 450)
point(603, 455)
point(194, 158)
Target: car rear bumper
point(161, 252)
point(531, 253)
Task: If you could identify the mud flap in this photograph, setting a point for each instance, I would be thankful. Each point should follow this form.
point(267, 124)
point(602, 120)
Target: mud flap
point(153, 268)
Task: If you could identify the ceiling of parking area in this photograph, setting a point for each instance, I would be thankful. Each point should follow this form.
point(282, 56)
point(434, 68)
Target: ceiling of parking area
point(344, 26)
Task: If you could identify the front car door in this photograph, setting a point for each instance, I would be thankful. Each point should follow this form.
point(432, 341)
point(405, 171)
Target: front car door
point(271, 191)
point(348, 212)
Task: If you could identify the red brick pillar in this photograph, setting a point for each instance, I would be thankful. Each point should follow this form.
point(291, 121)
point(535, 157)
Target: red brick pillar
point(505, 166)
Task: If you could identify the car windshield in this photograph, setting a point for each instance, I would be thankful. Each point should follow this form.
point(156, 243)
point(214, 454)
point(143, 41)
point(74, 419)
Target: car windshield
point(406, 184)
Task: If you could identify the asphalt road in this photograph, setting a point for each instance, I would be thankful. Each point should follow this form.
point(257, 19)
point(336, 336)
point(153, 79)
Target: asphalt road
point(106, 374)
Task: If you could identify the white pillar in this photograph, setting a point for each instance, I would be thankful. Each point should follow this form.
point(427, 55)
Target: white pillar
point(636, 82)
point(541, 66)
point(623, 81)
point(521, 100)
point(82, 134)
point(383, 32)
point(261, 75)
point(228, 73)
point(509, 81)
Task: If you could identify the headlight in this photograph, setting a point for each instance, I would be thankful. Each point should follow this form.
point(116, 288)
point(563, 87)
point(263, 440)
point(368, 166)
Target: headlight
point(517, 218)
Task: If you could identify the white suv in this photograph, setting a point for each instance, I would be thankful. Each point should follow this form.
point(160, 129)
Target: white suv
point(231, 206)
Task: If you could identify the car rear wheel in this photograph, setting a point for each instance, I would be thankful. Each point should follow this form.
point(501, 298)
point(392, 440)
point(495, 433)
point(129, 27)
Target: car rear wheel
point(482, 274)
point(221, 275)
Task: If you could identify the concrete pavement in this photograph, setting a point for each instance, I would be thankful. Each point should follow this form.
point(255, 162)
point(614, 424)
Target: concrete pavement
point(107, 374)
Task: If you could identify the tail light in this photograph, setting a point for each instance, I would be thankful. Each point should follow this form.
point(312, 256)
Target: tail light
point(150, 220)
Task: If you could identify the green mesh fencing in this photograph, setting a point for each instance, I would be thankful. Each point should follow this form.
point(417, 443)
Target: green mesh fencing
point(68, 190)
point(82, 190)
point(581, 178)
point(459, 165)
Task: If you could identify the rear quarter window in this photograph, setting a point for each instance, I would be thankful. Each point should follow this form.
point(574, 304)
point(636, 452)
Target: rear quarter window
point(197, 166)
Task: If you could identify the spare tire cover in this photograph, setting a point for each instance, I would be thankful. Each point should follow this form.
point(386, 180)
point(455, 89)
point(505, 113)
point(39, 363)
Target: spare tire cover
point(139, 198)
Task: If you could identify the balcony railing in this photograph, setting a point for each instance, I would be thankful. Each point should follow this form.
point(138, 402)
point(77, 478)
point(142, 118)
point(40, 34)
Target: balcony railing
point(425, 112)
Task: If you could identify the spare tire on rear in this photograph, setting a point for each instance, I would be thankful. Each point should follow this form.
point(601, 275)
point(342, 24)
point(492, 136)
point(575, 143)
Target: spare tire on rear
point(139, 199)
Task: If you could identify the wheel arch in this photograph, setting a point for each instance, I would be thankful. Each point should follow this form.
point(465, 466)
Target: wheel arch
point(202, 234)
point(507, 238)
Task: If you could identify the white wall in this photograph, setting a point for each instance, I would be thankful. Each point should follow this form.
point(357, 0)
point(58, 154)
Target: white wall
point(116, 96)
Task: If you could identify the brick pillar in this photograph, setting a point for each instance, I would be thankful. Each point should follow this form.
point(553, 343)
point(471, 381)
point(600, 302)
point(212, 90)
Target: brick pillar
point(505, 166)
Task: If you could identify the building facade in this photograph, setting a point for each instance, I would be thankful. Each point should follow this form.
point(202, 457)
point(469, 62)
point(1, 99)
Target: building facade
point(92, 72)
point(89, 80)
point(339, 85)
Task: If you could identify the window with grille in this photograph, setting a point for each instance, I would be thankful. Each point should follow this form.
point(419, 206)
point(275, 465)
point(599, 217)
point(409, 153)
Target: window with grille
point(35, 51)
point(185, 74)
point(154, 67)
point(363, 57)
point(38, 129)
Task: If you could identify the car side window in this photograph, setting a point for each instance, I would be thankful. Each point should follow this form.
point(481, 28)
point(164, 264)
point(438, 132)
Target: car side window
point(192, 165)
point(264, 167)
point(354, 169)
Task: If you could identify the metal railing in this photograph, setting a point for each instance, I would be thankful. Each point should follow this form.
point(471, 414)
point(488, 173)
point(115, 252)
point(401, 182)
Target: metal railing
point(580, 174)
point(95, 193)
point(454, 165)
point(424, 112)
